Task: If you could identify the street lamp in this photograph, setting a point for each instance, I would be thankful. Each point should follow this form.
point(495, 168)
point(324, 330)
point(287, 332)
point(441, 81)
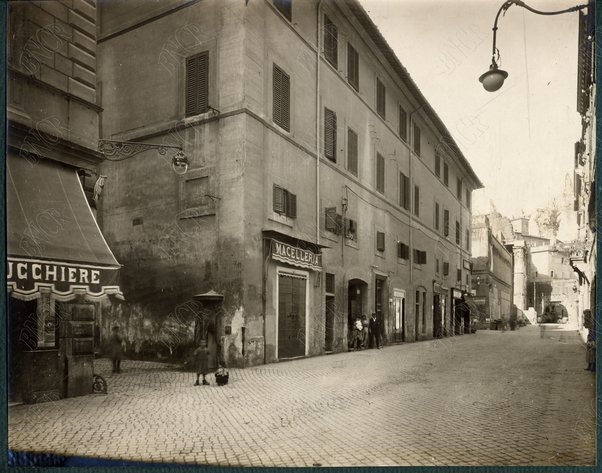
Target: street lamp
point(494, 78)
point(120, 150)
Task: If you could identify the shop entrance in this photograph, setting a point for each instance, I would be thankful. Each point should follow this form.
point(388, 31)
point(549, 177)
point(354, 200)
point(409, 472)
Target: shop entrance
point(329, 323)
point(356, 300)
point(399, 309)
point(22, 337)
point(292, 290)
point(437, 331)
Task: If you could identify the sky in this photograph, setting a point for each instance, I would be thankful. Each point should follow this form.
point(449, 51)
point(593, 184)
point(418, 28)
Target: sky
point(520, 139)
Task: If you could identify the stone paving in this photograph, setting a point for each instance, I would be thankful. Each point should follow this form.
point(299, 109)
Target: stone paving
point(490, 398)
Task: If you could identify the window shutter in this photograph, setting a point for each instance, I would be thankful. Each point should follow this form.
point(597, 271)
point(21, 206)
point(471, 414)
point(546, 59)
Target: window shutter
point(457, 232)
point(285, 7)
point(352, 151)
point(380, 98)
point(330, 134)
point(197, 84)
point(445, 174)
point(330, 41)
point(436, 216)
point(417, 139)
point(352, 67)
point(446, 222)
point(281, 98)
point(380, 241)
point(403, 124)
point(458, 275)
point(333, 221)
point(459, 188)
point(279, 200)
point(417, 201)
point(437, 165)
point(445, 269)
point(380, 173)
point(291, 201)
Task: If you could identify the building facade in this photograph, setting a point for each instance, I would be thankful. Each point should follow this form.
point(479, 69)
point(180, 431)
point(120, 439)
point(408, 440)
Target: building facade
point(492, 275)
point(584, 249)
point(59, 267)
point(321, 185)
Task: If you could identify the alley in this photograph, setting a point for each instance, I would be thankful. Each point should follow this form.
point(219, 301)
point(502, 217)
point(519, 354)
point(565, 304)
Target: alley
point(491, 398)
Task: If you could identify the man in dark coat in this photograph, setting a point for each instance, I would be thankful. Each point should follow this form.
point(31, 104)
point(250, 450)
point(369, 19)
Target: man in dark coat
point(374, 331)
point(116, 348)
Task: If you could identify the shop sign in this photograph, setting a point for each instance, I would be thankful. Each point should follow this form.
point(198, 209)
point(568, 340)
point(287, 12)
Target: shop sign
point(26, 277)
point(467, 265)
point(478, 300)
point(296, 256)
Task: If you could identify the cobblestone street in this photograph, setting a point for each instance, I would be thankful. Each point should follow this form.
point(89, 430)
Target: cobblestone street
point(492, 398)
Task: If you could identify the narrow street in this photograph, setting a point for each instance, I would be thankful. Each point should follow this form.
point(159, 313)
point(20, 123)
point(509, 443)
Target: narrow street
point(490, 398)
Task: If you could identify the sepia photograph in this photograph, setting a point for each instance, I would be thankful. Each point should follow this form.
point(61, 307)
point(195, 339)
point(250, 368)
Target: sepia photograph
point(301, 233)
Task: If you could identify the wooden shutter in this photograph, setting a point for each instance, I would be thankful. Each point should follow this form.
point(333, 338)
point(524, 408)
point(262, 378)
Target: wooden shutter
point(445, 174)
point(279, 200)
point(285, 7)
point(380, 241)
point(404, 191)
point(331, 43)
point(459, 188)
point(333, 220)
point(436, 216)
point(416, 139)
point(445, 269)
point(291, 205)
point(403, 124)
point(437, 165)
point(417, 201)
point(380, 98)
point(281, 98)
point(380, 173)
point(352, 151)
point(352, 67)
point(330, 134)
point(457, 232)
point(197, 84)
point(446, 222)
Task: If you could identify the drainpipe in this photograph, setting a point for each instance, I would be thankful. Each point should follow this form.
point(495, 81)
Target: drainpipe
point(318, 49)
point(411, 209)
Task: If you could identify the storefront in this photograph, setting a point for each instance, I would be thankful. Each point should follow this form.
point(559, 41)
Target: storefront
point(58, 266)
point(295, 323)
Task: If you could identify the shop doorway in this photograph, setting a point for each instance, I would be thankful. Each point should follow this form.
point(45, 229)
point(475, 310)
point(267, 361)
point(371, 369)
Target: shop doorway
point(399, 310)
point(437, 321)
point(292, 290)
point(329, 324)
point(356, 300)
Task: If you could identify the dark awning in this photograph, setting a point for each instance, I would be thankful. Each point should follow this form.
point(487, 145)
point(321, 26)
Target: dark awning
point(53, 241)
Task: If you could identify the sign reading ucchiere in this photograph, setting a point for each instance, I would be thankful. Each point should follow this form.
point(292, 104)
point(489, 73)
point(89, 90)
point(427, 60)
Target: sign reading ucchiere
point(27, 276)
point(296, 256)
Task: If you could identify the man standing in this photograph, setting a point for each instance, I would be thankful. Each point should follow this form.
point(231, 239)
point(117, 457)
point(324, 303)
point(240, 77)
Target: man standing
point(374, 331)
point(116, 345)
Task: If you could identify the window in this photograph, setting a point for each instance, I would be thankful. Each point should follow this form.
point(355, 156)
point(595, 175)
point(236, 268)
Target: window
point(419, 257)
point(467, 236)
point(197, 84)
point(403, 124)
point(380, 241)
point(331, 42)
point(352, 151)
point(459, 275)
point(353, 67)
point(333, 221)
point(459, 189)
point(350, 229)
point(458, 233)
point(417, 201)
point(380, 98)
point(416, 139)
point(380, 173)
point(446, 222)
point(437, 265)
point(282, 98)
point(403, 250)
point(330, 135)
point(330, 283)
point(437, 165)
point(404, 191)
point(467, 192)
point(436, 216)
point(445, 174)
point(285, 7)
point(445, 269)
point(284, 202)
point(551, 274)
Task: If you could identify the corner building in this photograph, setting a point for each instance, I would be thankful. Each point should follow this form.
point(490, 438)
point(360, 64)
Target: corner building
point(322, 185)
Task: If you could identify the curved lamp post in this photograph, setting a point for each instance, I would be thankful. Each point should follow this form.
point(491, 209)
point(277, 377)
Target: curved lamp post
point(494, 78)
point(120, 150)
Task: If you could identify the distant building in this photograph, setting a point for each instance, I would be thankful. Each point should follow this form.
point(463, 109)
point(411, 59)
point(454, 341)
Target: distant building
point(492, 275)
